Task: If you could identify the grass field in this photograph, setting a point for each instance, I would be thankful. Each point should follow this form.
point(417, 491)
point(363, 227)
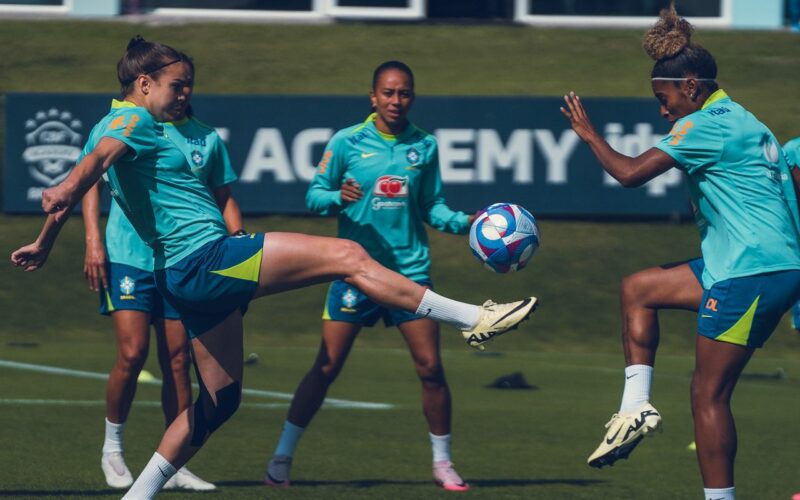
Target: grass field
point(509, 444)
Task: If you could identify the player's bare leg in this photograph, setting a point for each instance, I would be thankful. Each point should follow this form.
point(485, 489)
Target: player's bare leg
point(218, 354)
point(176, 390)
point(132, 329)
point(294, 260)
point(672, 286)
point(422, 337)
point(717, 369)
point(337, 340)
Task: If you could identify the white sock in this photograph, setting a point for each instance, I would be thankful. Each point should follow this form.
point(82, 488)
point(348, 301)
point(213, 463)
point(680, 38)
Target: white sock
point(114, 435)
point(638, 379)
point(289, 437)
point(720, 493)
point(151, 480)
point(459, 314)
point(441, 447)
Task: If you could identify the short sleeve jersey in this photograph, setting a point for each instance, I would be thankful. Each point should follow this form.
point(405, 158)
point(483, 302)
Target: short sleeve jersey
point(203, 147)
point(744, 200)
point(399, 176)
point(792, 150)
point(169, 207)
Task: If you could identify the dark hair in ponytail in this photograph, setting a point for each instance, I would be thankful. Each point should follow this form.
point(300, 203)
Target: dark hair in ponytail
point(146, 58)
point(669, 43)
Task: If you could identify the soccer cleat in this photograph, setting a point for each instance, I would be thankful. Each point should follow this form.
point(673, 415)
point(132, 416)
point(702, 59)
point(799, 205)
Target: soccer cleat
point(496, 319)
point(278, 471)
point(445, 476)
point(117, 473)
point(625, 431)
point(186, 480)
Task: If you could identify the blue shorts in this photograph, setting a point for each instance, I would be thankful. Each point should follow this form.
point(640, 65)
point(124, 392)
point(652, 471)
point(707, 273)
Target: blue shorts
point(133, 289)
point(346, 303)
point(209, 284)
point(746, 310)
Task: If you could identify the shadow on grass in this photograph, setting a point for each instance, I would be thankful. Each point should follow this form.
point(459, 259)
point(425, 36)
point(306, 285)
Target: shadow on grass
point(372, 483)
point(60, 493)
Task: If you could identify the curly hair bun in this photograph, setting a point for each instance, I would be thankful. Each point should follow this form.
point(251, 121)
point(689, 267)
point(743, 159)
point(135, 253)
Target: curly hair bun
point(669, 36)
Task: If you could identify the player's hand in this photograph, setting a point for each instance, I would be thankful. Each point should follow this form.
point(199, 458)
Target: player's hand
point(57, 201)
point(351, 191)
point(577, 117)
point(30, 257)
point(94, 265)
point(471, 218)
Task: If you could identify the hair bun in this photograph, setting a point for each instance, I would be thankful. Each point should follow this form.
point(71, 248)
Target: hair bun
point(670, 35)
point(137, 40)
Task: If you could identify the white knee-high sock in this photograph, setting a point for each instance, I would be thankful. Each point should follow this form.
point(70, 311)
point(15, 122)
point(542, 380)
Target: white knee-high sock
point(720, 493)
point(440, 445)
point(638, 379)
point(114, 436)
point(459, 314)
point(151, 480)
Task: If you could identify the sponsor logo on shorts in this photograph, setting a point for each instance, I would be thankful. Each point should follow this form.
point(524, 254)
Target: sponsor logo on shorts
point(711, 304)
point(127, 286)
point(349, 299)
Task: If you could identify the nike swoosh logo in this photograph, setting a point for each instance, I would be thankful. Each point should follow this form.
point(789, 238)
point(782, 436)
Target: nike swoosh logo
point(509, 313)
point(162, 471)
point(612, 438)
point(367, 155)
point(706, 316)
point(626, 378)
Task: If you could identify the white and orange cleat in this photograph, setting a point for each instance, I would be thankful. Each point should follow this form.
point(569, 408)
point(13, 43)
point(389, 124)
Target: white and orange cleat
point(446, 477)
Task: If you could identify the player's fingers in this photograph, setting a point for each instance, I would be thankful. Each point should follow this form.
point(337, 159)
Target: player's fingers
point(103, 277)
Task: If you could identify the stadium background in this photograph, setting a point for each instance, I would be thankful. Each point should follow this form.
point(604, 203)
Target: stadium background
point(510, 444)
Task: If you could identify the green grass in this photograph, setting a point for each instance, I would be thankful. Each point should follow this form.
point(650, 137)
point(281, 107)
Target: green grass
point(509, 444)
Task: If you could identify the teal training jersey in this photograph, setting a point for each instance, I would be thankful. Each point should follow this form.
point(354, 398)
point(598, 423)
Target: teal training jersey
point(203, 147)
point(792, 150)
point(743, 196)
point(168, 206)
point(399, 176)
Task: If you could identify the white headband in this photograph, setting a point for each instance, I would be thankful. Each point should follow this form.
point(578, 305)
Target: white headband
point(667, 79)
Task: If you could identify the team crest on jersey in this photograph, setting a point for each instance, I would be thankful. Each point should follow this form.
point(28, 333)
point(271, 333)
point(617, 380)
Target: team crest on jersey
point(52, 146)
point(127, 286)
point(349, 299)
point(412, 155)
point(197, 158)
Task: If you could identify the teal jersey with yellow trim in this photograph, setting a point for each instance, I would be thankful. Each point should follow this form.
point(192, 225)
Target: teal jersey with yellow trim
point(169, 207)
point(210, 162)
point(741, 188)
point(399, 176)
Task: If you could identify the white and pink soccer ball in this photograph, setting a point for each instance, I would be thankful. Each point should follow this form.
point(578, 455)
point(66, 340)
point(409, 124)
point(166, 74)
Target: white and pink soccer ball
point(504, 237)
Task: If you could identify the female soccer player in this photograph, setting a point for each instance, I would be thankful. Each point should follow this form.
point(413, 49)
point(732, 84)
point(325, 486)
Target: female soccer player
point(126, 283)
point(749, 273)
point(381, 178)
point(207, 275)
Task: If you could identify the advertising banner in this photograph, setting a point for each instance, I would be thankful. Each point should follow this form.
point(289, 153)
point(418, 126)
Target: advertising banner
point(491, 149)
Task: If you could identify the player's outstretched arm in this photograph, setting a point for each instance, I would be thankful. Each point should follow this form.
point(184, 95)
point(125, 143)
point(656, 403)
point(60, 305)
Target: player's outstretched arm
point(33, 256)
point(60, 200)
point(630, 172)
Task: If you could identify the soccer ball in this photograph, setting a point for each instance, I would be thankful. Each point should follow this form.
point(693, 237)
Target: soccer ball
point(504, 237)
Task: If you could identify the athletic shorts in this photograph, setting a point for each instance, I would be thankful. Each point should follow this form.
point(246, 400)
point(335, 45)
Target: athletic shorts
point(209, 284)
point(346, 303)
point(746, 310)
point(133, 289)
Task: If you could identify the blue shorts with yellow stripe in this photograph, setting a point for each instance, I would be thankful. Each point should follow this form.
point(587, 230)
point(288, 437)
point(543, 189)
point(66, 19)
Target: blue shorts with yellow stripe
point(209, 284)
point(346, 303)
point(745, 310)
point(133, 289)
